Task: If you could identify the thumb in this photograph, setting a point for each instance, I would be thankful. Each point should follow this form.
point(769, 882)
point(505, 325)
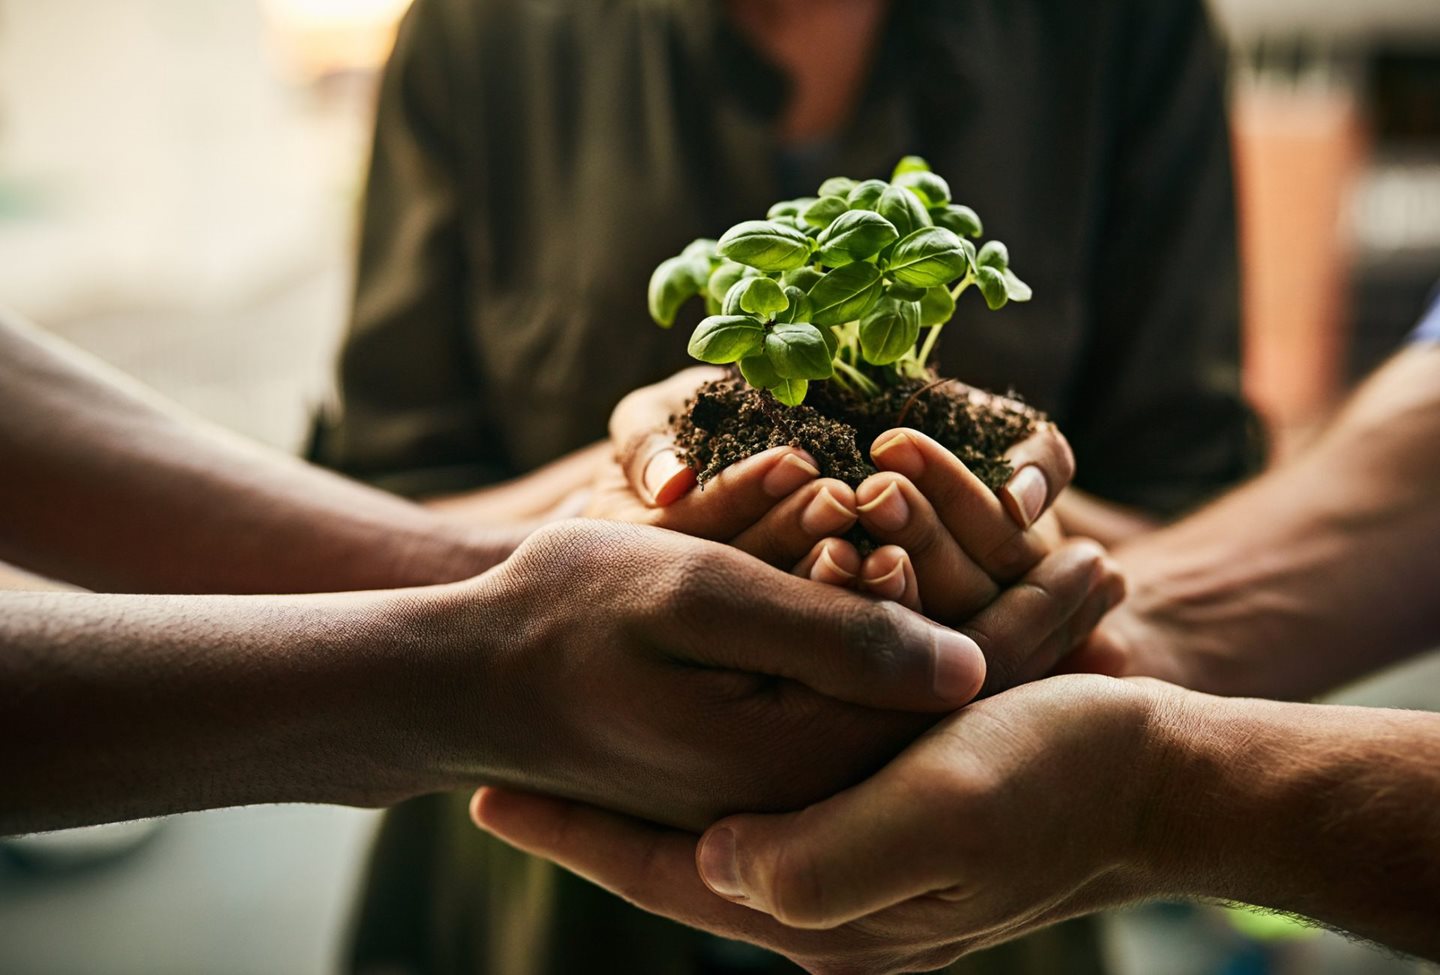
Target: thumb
point(843, 645)
point(861, 851)
point(645, 450)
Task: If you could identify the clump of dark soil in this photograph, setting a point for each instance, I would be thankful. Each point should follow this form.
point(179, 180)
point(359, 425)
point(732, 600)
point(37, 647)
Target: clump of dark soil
point(728, 421)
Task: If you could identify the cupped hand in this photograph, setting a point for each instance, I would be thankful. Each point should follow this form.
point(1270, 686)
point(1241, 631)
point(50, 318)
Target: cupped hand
point(680, 679)
point(774, 505)
point(948, 542)
point(1017, 812)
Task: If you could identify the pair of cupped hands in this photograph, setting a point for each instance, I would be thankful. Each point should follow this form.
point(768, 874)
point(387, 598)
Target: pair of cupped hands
point(727, 655)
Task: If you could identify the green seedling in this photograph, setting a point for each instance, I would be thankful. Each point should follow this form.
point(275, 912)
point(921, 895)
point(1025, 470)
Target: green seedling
point(839, 287)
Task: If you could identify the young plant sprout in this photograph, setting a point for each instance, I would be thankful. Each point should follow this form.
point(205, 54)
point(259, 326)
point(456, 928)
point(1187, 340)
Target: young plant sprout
point(837, 287)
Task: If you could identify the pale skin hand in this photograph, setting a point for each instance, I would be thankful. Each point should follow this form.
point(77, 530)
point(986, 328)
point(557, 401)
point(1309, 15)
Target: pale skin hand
point(948, 543)
point(1048, 801)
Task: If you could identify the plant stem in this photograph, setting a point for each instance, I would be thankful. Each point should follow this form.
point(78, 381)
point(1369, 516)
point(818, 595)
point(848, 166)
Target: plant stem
point(866, 386)
point(928, 348)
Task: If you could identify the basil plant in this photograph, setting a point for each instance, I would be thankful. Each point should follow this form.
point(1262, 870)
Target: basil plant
point(839, 286)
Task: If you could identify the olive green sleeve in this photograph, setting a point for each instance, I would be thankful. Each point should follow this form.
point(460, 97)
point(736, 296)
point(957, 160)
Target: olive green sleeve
point(1158, 415)
point(408, 414)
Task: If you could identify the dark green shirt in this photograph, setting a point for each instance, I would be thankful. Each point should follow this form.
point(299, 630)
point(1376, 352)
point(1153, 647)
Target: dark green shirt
point(534, 160)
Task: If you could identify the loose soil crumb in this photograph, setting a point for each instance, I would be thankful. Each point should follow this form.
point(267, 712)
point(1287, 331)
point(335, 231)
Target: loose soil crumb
point(728, 421)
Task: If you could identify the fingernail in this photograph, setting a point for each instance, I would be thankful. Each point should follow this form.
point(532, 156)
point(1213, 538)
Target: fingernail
point(959, 667)
point(826, 568)
point(788, 475)
point(896, 451)
point(825, 515)
point(717, 864)
point(889, 512)
point(889, 586)
point(660, 471)
point(1027, 491)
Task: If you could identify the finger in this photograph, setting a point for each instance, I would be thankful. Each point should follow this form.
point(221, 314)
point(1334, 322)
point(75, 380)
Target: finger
point(840, 644)
point(952, 586)
point(649, 866)
point(789, 530)
point(969, 510)
point(740, 495)
point(654, 469)
point(651, 407)
point(1015, 631)
point(832, 561)
point(639, 429)
point(861, 851)
point(888, 573)
point(1044, 466)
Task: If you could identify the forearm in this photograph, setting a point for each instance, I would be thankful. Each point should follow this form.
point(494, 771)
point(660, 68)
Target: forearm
point(108, 487)
point(1328, 812)
point(1315, 573)
point(117, 707)
point(543, 494)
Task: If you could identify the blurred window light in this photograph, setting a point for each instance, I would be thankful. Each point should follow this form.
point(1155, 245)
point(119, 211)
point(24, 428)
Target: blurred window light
point(1397, 211)
point(313, 39)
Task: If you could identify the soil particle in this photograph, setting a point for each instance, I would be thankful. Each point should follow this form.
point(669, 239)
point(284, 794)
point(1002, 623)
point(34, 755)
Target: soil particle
point(728, 421)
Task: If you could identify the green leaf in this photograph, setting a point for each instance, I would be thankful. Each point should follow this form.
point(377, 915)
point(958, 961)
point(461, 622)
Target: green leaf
point(762, 297)
point(701, 247)
point(889, 331)
point(672, 284)
point(992, 286)
point(832, 341)
point(765, 245)
point(971, 255)
point(929, 256)
point(837, 186)
point(798, 307)
point(937, 307)
point(994, 254)
point(845, 294)
point(722, 339)
point(723, 278)
point(758, 371)
point(789, 208)
point(1016, 289)
point(903, 209)
point(823, 211)
point(799, 351)
point(803, 278)
point(855, 236)
point(905, 292)
point(932, 190)
point(790, 392)
point(866, 195)
point(959, 219)
point(910, 164)
point(731, 304)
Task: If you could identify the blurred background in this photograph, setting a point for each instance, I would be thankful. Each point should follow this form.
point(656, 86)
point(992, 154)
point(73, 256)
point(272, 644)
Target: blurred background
point(206, 250)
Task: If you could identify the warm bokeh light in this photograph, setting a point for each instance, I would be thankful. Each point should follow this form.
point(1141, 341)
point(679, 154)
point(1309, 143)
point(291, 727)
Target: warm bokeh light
point(314, 38)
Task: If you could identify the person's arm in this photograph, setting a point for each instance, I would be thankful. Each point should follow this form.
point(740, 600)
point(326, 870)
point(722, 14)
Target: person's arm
point(1310, 576)
point(632, 668)
point(109, 487)
point(1043, 803)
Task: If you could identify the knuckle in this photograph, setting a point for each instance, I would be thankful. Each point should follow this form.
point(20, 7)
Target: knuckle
point(873, 636)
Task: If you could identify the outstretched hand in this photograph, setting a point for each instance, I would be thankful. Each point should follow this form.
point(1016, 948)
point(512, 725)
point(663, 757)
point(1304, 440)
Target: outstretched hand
point(1020, 811)
point(680, 679)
